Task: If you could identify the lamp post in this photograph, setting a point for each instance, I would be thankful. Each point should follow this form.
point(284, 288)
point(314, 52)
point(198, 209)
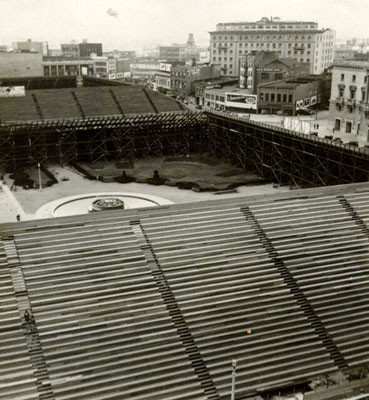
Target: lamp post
point(39, 176)
point(233, 390)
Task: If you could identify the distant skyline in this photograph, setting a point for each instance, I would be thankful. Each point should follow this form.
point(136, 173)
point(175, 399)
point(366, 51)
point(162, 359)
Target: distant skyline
point(133, 24)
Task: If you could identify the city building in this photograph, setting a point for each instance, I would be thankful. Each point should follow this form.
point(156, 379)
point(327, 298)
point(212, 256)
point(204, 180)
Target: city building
point(290, 96)
point(163, 77)
point(259, 67)
point(301, 40)
point(69, 49)
point(69, 66)
point(87, 49)
point(20, 64)
point(144, 69)
point(217, 83)
point(31, 47)
point(349, 103)
point(183, 76)
point(131, 55)
point(181, 52)
point(55, 53)
point(173, 52)
point(83, 49)
point(229, 98)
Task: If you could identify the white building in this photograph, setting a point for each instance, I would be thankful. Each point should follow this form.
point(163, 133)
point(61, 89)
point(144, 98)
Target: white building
point(301, 40)
point(228, 98)
point(349, 102)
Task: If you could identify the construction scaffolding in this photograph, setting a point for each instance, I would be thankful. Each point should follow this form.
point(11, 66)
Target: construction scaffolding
point(282, 156)
point(102, 138)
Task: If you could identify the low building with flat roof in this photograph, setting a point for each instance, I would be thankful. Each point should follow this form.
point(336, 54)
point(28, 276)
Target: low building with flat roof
point(289, 96)
point(230, 98)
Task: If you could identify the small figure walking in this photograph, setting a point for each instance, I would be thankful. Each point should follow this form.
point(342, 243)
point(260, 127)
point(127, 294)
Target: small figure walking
point(18, 217)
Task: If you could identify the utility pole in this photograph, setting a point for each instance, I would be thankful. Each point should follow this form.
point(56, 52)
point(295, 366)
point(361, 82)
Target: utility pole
point(233, 390)
point(39, 176)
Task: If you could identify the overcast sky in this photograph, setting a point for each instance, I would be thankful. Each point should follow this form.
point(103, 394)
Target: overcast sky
point(132, 24)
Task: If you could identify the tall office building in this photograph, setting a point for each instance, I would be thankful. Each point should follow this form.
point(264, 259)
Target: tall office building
point(301, 40)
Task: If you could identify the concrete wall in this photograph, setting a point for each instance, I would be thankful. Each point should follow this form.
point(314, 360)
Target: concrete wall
point(20, 65)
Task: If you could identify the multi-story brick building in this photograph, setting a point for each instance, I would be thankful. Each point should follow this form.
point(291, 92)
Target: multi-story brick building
point(183, 76)
point(349, 103)
point(301, 40)
point(163, 77)
point(259, 67)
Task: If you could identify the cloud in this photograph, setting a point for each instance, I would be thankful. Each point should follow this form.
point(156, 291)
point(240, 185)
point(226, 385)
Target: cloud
point(112, 13)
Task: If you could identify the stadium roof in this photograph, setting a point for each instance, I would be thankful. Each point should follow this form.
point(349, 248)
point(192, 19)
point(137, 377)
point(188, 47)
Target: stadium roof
point(155, 303)
point(84, 102)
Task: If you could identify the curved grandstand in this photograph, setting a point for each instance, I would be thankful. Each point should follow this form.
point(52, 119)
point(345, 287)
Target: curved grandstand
point(84, 102)
point(154, 303)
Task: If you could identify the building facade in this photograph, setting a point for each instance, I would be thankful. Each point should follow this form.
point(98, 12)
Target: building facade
point(260, 67)
point(87, 49)
point(301, 40)
point(215, 83)
point(19, 64)
point(163, 77)
point(181, 52)
point(31, 47)
point(69, 49)
point(229, 98)
point(290, 96)
point(183, 77)
point(349, 103)
point(144, 69)
point(172, 53)
point(67, 66)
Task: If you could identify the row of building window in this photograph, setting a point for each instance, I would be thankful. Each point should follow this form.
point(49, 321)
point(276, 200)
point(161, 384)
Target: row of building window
point(279, 98)
point(353, 78)
point(262, 37)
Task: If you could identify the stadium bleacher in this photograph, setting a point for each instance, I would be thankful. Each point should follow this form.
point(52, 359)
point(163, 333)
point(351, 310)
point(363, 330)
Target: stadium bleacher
point(84, 102)
point(155, 303)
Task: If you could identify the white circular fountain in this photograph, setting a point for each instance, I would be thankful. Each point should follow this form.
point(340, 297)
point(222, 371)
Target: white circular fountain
point(98, 202)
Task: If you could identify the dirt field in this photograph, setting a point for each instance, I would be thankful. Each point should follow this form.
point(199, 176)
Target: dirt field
point(26, 202)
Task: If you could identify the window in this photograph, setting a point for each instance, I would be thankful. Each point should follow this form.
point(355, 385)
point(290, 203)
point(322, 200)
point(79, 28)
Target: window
point(353, 78)
point(341, 91)
point(266, 96)
point(284, 98)
point(348, 127)
point(279, 98)
point(290, 98)
point(278, 76)
point(272, 97)
point(342, 77)
point(261, 96)
point(264, 75)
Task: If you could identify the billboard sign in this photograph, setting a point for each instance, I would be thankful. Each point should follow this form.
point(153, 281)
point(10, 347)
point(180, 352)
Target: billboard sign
point(12, 91)
point(239, 100)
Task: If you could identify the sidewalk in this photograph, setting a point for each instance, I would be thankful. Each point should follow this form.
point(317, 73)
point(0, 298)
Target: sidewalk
point(9, 206)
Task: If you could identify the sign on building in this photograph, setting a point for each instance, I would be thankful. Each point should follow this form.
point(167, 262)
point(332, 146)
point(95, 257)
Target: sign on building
point(12, 91)
point(244, 101)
